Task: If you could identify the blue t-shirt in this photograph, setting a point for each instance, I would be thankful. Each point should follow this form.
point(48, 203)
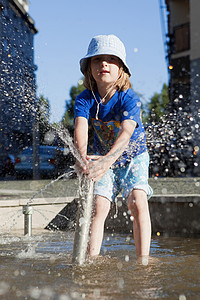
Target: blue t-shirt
point(122, 106)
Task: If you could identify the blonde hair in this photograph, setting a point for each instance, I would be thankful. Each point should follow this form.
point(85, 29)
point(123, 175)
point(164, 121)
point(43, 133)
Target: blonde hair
point(122, 84)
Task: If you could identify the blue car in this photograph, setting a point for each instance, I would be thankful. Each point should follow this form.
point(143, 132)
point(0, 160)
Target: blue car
point(53, 161)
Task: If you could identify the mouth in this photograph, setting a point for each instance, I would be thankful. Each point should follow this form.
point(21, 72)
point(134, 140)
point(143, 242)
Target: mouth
point(104, 72)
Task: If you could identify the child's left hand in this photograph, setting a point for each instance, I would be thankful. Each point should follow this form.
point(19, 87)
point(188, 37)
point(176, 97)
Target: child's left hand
point(98, 166)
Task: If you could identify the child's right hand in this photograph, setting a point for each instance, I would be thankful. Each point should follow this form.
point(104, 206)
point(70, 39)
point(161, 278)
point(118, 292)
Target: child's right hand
point(81, 166)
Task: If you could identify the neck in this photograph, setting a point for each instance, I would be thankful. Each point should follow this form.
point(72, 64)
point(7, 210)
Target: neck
point(106, 92)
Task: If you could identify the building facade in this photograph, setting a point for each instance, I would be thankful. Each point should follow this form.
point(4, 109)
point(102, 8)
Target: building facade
point(183, 53)
point(17, 76)
point(182, 45)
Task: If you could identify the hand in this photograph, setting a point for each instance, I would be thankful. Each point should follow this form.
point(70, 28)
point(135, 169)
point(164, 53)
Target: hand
point(97, 166)
point(81, 166)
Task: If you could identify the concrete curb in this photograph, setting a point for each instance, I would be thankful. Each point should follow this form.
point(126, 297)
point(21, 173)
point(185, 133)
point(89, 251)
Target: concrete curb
point(170, 213)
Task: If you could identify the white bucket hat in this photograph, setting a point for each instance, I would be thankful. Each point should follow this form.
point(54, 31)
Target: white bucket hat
point(105, 45)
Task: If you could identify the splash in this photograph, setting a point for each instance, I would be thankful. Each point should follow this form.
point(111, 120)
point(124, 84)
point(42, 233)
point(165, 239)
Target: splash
point(174, 145)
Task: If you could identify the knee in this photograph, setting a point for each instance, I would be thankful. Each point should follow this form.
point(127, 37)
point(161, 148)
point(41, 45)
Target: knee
point(137, 203)
point(132, 206)
point(102, 208)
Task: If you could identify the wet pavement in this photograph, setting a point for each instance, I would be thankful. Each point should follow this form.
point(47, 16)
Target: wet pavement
point(40, 268)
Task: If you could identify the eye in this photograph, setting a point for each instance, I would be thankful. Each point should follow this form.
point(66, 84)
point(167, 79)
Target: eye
point(113, 58)
point(95, 59)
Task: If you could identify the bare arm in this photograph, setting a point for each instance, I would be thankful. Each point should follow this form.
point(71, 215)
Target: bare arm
point(101, 165)
point(81, 137)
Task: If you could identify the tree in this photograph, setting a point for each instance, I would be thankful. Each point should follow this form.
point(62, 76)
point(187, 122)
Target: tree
point(157, 107)
point(44, 117)
point(68, 119)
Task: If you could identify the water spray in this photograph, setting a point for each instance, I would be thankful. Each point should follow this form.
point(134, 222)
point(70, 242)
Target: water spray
point(84, 216)
point(27, 211)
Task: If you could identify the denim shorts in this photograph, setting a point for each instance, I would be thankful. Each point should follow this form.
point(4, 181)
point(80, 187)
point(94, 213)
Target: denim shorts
point(133, 175)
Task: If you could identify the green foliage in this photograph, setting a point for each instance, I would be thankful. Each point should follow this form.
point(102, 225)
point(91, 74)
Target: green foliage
point(68, 119)
point(157, 107)
point(143, 106)
point(55, 126)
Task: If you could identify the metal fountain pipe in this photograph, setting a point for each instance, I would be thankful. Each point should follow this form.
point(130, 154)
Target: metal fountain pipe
point(82, 232)
point(27, 211)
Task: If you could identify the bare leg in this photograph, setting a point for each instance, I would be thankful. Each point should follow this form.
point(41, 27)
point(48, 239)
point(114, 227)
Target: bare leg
point(138, 205)
point(102, 207)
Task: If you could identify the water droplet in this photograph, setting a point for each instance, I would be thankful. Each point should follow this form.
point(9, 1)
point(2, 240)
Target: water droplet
point(126, 258)
point(81, 221)
point(145, 261)
point(119, 265)
point(119, 203)
point(164, 191)
point(182, 297)
point(80, 82)
point(16, 273)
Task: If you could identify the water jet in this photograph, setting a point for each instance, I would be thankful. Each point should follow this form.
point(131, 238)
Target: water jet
point(84, 216)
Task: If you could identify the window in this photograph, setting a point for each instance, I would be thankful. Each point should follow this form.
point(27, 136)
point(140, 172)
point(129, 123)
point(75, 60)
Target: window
point(182, 38)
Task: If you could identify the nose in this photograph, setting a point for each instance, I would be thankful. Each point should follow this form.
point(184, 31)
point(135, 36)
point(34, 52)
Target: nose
point(104, 61)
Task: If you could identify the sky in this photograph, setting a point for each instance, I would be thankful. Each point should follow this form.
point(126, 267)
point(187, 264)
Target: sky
point(65, 29)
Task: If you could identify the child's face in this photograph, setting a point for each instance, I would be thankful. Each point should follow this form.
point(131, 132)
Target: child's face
point(105, 68)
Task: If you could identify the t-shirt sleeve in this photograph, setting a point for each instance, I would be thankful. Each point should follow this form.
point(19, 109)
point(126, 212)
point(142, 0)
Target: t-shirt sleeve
point(131, 109)
point(82, 106)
